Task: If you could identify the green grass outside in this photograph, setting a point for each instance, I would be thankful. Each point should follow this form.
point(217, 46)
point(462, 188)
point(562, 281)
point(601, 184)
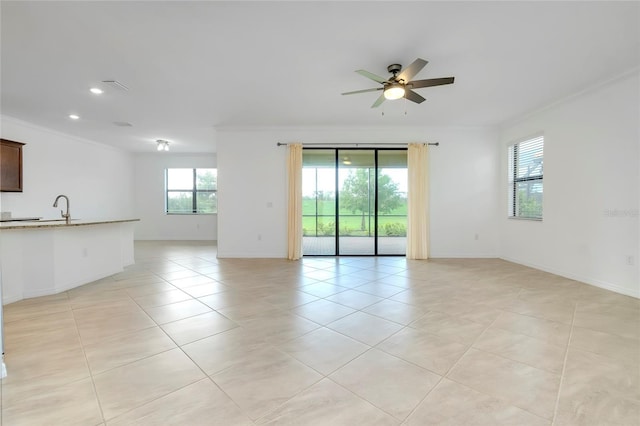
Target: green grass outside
point(328, 207)
point(349, 225)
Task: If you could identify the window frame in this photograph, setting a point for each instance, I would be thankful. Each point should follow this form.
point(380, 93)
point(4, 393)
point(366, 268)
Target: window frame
point(194, 191)
point(514, 179)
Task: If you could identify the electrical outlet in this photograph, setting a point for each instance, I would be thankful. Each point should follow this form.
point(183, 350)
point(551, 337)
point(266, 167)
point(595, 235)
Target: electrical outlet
point(259, 237)
point(85, 252)
point(477, 237)
point(630, 260)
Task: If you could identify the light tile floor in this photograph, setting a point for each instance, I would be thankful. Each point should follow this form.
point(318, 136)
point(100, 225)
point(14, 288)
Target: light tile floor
point(183, 338)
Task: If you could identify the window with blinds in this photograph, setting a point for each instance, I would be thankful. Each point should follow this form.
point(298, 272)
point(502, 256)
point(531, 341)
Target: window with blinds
point(525, 178)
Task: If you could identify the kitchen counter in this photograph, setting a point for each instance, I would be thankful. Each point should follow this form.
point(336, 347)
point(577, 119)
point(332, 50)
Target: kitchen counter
point(44, 257)
point(56, 223)
point(19, 219)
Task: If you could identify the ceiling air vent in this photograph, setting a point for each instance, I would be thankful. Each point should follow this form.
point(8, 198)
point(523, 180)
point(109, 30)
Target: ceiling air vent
point(115, 84)
point(122, 124)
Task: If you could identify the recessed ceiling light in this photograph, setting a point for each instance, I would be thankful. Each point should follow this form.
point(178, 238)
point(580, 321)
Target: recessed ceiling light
point(74, 116)
point(96, 91)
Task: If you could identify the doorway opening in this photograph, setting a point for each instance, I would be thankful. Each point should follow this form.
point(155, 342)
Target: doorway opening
point(354, 202)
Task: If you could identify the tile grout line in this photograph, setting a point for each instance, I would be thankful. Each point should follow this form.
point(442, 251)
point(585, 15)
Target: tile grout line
point(407, 362)
point(500, 356)
point(443, 376)
point(364, 399)
point(268, 277)
point(564, 366)
point(210, 377)
point(206, 376)
point(274, 409)
point(323, 326)
point(270, 346)
point(128, 363)
point(86, 360)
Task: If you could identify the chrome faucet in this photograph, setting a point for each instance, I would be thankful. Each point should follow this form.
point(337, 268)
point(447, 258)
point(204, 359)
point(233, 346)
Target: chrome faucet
point(66, 215)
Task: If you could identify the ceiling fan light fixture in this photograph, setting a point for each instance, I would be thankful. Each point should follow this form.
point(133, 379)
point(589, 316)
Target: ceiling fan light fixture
point(394, 91)
point(401, 83)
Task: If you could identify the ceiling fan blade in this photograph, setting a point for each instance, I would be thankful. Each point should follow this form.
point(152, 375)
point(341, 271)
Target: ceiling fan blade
point(372, 76)
point(409, 72)
point(413, 96)
point(363, 91)
point(430, 82)
point(378, 101)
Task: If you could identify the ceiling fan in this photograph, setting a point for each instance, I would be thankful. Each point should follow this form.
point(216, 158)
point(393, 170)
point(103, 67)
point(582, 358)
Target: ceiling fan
point(400, 85)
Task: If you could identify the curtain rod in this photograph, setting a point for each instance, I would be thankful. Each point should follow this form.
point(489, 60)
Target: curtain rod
point(329, 145)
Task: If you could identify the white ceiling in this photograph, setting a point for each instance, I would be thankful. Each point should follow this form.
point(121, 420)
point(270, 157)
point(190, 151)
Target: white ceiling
point(192, 67)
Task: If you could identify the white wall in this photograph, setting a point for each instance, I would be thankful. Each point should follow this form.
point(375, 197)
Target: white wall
point(150, 199)
point(591, 189)
point(463, 177)
point(252, 186)
point(97, 178)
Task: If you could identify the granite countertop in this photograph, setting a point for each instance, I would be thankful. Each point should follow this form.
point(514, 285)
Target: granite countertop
point(58, 223)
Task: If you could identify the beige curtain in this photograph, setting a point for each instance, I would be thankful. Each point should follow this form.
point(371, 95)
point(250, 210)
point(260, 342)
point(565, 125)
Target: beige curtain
point(294, 228)
point(418, 201)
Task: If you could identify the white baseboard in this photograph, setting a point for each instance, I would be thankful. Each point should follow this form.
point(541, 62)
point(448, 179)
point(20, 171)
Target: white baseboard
point(6, 299)
point(245, 255)
point(587, 280)
point(462, 256)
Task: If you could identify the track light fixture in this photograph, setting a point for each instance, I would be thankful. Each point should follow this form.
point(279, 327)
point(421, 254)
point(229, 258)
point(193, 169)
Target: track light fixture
point(162, 145)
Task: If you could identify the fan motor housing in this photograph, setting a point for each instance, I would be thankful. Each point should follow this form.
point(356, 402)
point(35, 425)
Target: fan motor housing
point(394, 68)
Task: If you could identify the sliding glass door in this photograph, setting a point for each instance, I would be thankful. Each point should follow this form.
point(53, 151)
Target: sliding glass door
point(354, 201)
point(319, 202)
point(392, 202)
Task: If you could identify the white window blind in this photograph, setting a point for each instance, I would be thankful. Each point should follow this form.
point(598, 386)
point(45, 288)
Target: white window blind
point(526, 167)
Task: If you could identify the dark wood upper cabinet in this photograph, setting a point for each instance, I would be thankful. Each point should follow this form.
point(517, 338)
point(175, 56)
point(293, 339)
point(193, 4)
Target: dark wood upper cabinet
point(10, 166)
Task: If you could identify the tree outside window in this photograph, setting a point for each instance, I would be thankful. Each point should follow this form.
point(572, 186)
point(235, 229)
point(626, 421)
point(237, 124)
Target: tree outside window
point(526, 167)
point(191, 191)
point(357, 194)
